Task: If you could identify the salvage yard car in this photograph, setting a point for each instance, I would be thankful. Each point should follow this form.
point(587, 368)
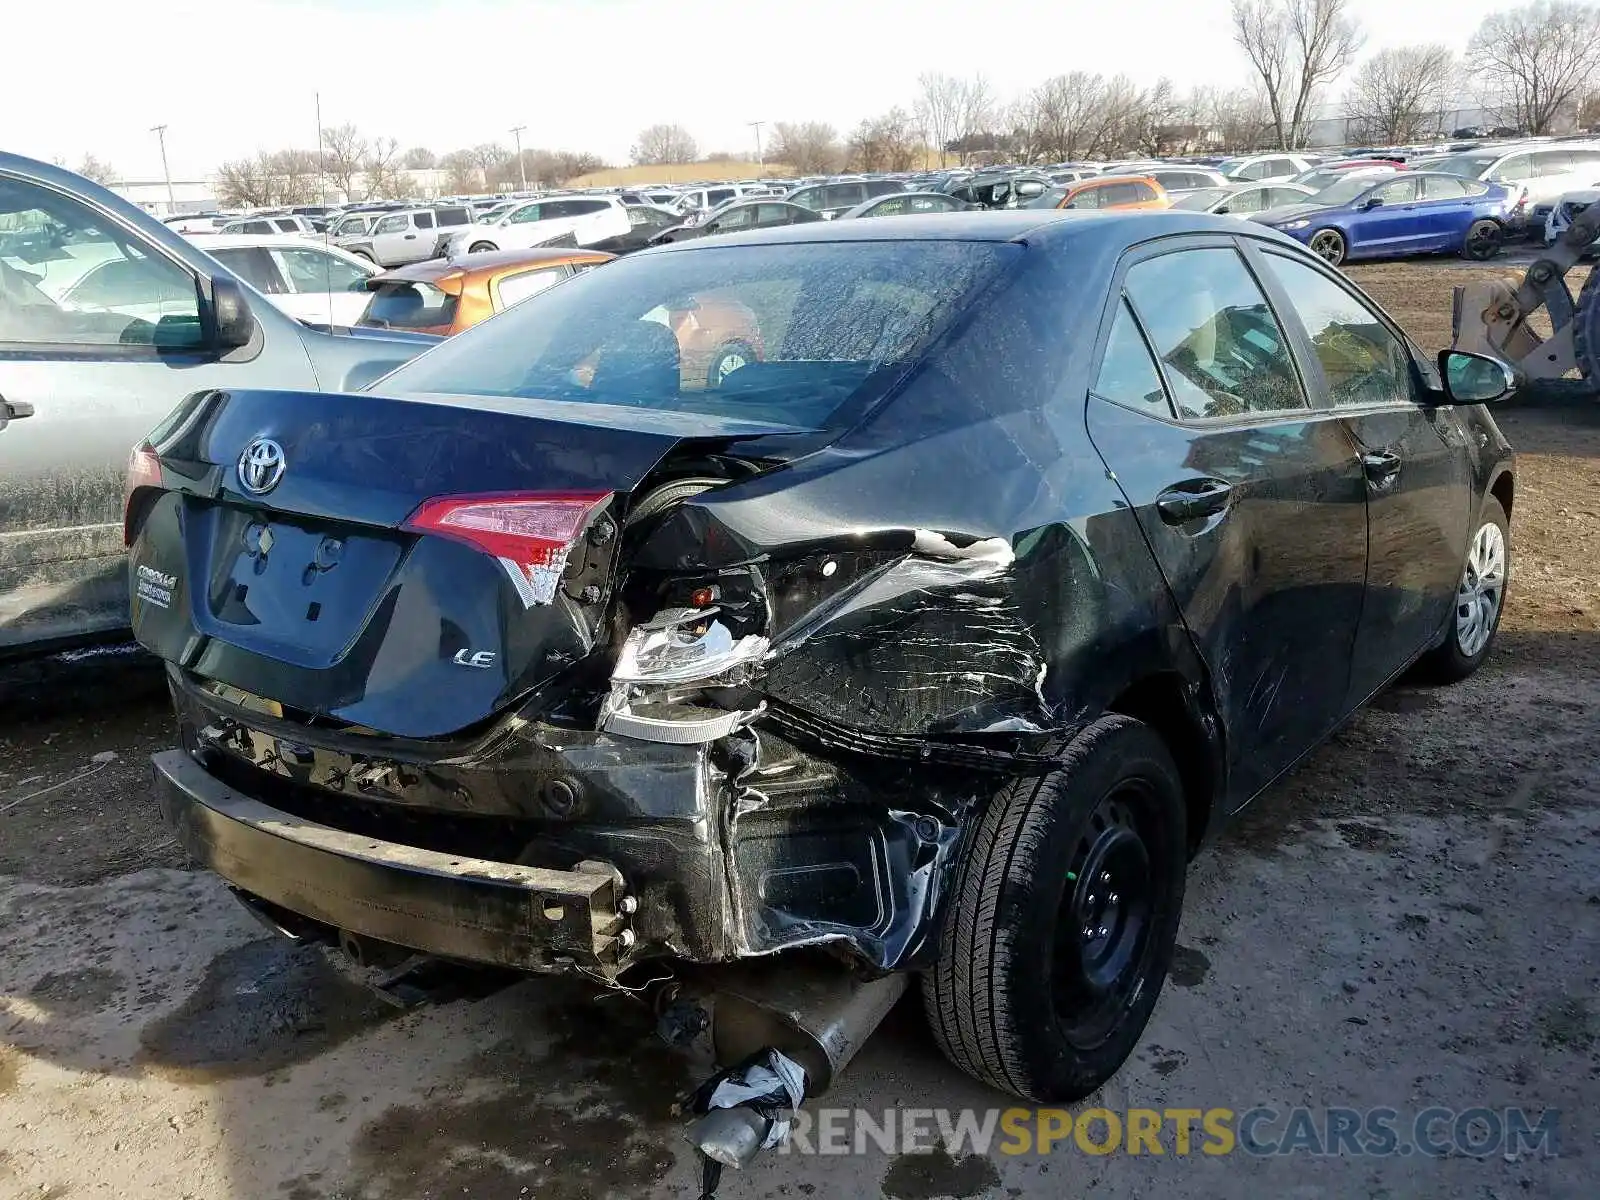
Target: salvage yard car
point(107, 320)
point(445, 296)
point(934, 643)
point(1411, 212)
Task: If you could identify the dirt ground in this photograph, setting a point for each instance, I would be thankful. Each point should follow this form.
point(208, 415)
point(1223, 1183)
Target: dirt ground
point(1413, 919)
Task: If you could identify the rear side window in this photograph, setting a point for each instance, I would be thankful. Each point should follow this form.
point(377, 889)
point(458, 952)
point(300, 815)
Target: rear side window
point(405, 304)
point(1443, 187)
point(515, 288)
point(453, 216)
point(844, 195)
point(1221, 349)
point(424, 220)
point(883, 187)
point(718, 195)
point(1128, 374)
point(1552, 162)
point(1362, 361)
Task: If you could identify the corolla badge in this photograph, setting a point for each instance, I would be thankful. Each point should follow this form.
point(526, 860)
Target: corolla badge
point(261, 466)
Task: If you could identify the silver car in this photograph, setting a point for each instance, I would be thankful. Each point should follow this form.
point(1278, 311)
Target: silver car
point(107, 320)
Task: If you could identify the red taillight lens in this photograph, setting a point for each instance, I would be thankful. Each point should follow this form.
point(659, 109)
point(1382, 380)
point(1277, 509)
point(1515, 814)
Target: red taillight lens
point(531, 534)
point(144, 470)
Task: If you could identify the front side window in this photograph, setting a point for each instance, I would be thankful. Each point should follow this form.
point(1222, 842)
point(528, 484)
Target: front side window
point(1401, 191)
point(69, 277)
point(1249, 201)
point(890, 208)
point(253, 265)
point(808, 198)
point(1088, 197)
point(311, 270)
point(1362, 361)
point(718, 195)
point(287, 225)
point(1128, 375)
point(829, 324)
point(394, 224)
point(844, 195)
point(1514, 170)
point(525, 214)
point(1221, 348)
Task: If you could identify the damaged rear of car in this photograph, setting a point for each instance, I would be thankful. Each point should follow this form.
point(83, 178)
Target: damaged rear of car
point(563, 655)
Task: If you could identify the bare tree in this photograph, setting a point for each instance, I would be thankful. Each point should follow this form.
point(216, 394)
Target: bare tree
point(1061, 111)
point(494, 162)
point(94, 169)
point(810, 147)
point(382, 170)
point(244, 183)
point(937, 110)
point(1589, 112)
point(419, 158)
point(885, 143)
point(1296, 48)
point(344, 150)
point(1398, 94)
point(461, 172)
point(975, 113)
point(664, 144)
point(1534, 64)
point(290, 176)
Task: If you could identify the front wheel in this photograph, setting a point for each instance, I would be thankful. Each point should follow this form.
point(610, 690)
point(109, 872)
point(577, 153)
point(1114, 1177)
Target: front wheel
point(480, 247)
point(1483, 241)
point(1063, 917)
point(1480, 600)
point(1329, 245)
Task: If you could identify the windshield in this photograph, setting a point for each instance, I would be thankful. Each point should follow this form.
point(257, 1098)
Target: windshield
point(1203, 199)
point(786, 334)
point(409, 304)
point(1470, 166)
point(1343, 191)
point(1050, 198)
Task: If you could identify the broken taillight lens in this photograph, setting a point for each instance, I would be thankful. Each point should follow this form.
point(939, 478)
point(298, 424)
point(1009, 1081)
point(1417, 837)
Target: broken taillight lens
point(144, 471)
point(530, 533)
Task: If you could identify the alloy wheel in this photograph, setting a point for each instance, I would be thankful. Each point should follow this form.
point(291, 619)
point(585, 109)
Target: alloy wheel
point(1329, 245)
point(1483, 588)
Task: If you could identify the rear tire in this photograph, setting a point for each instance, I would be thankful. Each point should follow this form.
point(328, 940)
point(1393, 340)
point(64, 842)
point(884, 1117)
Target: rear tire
point(1483, 241)
point(1329, 245)
point(1480, 601)
point(365, 255)
point(1586, 330)
point(728, 360)
point(481, 247)
point(1063, 917)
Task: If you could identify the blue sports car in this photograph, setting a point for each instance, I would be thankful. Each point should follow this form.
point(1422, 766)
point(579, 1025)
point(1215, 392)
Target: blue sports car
point(1409, 212)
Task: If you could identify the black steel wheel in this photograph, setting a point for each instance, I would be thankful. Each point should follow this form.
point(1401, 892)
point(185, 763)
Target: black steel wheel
point(1063, 917)
point(1329, 245)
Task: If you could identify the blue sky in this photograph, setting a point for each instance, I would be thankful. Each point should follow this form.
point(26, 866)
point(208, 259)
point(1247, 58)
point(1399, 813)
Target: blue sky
point(229, 77)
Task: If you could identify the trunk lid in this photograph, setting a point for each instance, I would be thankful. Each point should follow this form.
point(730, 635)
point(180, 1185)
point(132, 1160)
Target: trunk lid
point(301, 549)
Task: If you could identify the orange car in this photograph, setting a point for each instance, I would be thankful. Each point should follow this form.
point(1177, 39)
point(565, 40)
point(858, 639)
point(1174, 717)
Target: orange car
point(445, 296)
point(1111, 191)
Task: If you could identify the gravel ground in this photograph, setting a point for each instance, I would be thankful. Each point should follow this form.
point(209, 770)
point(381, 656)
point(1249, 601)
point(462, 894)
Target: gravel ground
point(1413, 919)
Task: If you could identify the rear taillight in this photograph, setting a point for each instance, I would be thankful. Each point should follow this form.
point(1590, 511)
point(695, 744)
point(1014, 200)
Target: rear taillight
point(531, 534)
point(144, 471)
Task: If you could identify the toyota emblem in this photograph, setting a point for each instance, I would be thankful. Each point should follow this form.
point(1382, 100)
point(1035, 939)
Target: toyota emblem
point(261, 466)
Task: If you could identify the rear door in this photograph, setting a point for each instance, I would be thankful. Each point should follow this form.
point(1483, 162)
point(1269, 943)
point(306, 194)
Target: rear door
point(1444, 212)
point(1415, 461)
point(1252, 502)
point(93, 379)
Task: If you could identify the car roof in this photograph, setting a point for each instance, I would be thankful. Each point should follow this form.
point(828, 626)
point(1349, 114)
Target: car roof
point(488, 262)
point(268, 241)
point(1042, 226)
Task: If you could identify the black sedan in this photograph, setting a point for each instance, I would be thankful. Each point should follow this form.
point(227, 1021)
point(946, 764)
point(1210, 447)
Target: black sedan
point(743, 215)
point(1019, 555)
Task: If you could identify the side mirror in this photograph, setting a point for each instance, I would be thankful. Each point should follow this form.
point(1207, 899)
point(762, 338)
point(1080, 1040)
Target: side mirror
point(1373, 202)
point(1220, 211)
point(1476, 378)
point(230, 312)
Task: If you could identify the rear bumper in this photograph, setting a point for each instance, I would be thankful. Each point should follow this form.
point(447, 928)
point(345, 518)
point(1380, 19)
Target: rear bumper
point(470, 908)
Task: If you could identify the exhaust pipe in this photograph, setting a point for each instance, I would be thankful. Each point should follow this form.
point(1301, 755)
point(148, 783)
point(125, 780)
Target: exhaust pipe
point(791, 1027)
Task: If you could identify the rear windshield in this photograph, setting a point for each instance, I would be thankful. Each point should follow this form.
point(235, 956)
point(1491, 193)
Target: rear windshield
point(787, 334)
point(401, 304)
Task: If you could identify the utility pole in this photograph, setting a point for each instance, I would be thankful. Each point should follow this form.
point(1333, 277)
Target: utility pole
point(161, 133)
point(322, 175)
point(522, 167)
point(756, 125)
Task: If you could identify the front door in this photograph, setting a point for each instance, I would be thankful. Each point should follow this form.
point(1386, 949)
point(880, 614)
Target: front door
point(1252, 502)
point(1415, 461)
point(100, 338)
point(1392, 227)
